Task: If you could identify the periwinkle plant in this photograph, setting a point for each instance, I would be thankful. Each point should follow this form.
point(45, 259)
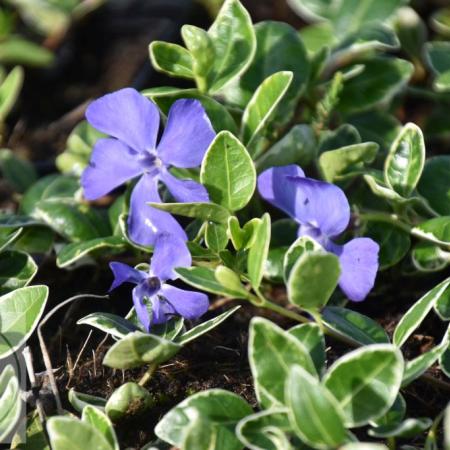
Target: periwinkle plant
point(281, 173)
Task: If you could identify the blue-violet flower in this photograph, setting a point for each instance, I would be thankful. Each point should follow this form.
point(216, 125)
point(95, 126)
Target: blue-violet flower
point(166, 301)
point(132, 122)
point(323, 212)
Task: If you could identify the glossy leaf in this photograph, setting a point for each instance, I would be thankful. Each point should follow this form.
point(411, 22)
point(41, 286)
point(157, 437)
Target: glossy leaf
point(406, 160)
point(216, 237)
point(204, 278)
point(258, 252)
point(71, 253)
point(128, 400)
point(9, 91)
point(80, 400)
point(98, 419)
point(20, 312)
point(137, 349)
point(262, 105)
point(234, 43)
point(434, 184)
point(171, 59)
point(272, 354)
point(17, 269)
point(354, 325)
point(314, 413)
point(205, 327)
point(109, 323)
point(412, 319)
point(228, 172)
point(406, 429)
point(313, 279)
point(366, 382)
point(18, 172)
point(380, 80)
point(224, 409)
point(10, 400)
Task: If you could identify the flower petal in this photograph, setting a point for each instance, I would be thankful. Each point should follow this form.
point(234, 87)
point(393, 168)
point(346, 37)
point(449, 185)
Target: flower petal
point(170, 252)
point(162, 311)
point(145, 222)
point(274, 187)
point(189, 304)
point(184, 191)
point(112, 164)
point(320, 205)
point(139, 294)
point(187, 135)
point(126, 115)
point(359, 265)
point(125, 274)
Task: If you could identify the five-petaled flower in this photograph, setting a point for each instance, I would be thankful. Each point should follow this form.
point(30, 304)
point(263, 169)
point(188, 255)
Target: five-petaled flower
point(151, 288)
point(323, 212)
point(132, 122)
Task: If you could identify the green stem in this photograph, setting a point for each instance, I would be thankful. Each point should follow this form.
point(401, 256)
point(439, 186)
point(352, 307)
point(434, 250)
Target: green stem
point(391, 443)
point(148, 375)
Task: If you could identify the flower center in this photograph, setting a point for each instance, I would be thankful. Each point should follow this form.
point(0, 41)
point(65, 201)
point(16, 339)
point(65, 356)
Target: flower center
point(149, 162)
point(153, 284)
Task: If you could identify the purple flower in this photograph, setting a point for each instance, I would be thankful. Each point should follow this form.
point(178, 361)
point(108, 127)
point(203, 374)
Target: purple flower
point(166, 301)
point(322, 211)
point(132, 121)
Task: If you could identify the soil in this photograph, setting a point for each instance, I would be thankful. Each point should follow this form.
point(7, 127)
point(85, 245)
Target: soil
point(107, 51)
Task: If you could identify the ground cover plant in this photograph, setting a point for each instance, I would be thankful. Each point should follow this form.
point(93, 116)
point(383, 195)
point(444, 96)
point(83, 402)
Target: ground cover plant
point(248, 249)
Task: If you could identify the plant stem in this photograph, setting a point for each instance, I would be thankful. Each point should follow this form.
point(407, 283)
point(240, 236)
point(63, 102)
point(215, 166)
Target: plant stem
point(148, 375)
point(391, 443)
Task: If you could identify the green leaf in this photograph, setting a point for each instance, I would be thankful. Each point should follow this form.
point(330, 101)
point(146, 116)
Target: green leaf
point(447, 428)
point(229, 279)
point(428, 257)
point(440, 21)
point(71, 220)
point(442, 306)
point(222, 408)
point(272, 36)
point(201, 434)
point(98, 419)
point(79, 400)
point(439, 60)
point(204, 278)
point(73, 252)
point(16, 270)
point(10, 400)
point(9, 91)
point(436, 230)
point(49, 187)
point(265, 430)
point(314, 413)
point(202, 51)
point(262, 105)
point(312, 338)
point(7, 239)
point(216, 237)
point(257, 255)
point(366, 382)
point(109, 323)
point(242, 238)
point(272, 353)
point(394, 243)
point(34, 438)
point(228, 172)
point(234, 43)
point(16, 50)
point(219, 116)
point(137, 349)
point(419, 365)
point(347, 161)
point(62, 429)
point(406, 429)
point(20, 312)
point(35, 239)
point(298, 146)
point(205, 327)
point(354, 325)
point(313, 279)
point(19, 173)
point(128, 400)
point(202, 211)
point(434, 184)
point(363, 446)
point(80, 143)
point(395, 414)
point(406, 160)
point(349, 15)
point(295, 251)
point(380, 80)
point(171, 59)
point(412, 319)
